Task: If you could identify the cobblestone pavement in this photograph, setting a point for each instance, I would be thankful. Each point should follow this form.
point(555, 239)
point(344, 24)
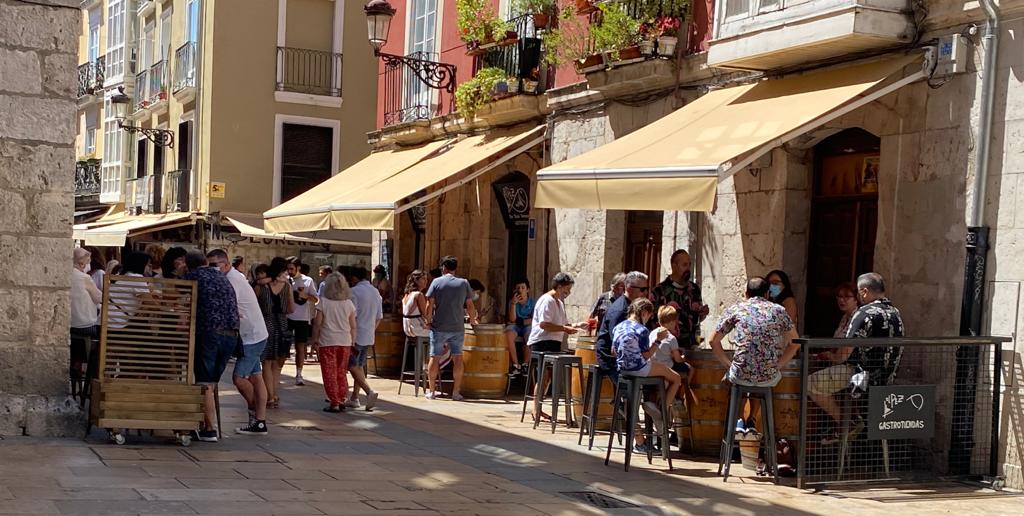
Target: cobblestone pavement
point(408, 456)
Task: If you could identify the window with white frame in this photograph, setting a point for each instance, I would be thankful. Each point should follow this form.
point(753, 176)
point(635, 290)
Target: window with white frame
point(113, 144)
point(735, 9)
point(192, 20)
point(422, 40)
point(165, 35)
point(93, 50)
point(116, 31)
point(148, 45)
point(89, 140)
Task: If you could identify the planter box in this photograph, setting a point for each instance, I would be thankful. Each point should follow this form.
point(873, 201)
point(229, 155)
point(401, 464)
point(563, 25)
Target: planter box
point(627, 56)
point(590, 64)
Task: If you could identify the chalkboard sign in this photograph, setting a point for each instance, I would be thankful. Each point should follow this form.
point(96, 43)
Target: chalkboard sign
point(901, 412)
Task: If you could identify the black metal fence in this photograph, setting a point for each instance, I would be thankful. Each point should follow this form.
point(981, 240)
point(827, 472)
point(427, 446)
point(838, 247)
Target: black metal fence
point(91, 76)
point(407, 96)
point(902, 413)
point(521, 60)
point(315, 72)
point(87, 177)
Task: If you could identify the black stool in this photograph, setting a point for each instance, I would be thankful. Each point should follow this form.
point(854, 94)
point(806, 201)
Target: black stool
point(626, 403)
point(520, 351)
point(560, 364)
point(418, 344)
point(592, 403)
point(533, 372)
point(736, 393)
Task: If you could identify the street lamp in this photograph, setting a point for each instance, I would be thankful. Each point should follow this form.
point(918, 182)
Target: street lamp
point(435, 75)
point(120, 101)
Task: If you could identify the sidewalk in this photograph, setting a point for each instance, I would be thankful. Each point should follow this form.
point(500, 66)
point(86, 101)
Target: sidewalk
point(409, 456)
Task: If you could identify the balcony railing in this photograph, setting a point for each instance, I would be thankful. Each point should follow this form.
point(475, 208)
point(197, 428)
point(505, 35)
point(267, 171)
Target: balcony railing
point(90, 77)
point(309, 71)
point(158, 82)
point(406, 97)
point(87, 177)
point(521, 60)
point(143, 194)
point(141, 97)
point(185, 67)
point(176, 187)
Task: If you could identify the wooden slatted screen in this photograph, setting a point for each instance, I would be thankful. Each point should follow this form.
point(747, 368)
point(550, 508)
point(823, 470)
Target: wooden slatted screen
point(148, 326)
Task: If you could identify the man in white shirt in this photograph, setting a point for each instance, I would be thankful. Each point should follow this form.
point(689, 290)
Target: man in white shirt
point(298, 321)
point(252, 329)
point(84, 299)
point(369, 312)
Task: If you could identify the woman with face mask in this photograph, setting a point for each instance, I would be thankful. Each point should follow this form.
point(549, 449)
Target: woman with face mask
point(780, 292)
point(550, 325)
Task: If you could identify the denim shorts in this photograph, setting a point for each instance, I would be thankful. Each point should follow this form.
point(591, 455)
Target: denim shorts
point(249, 363)
point(520, 331)
point(453, 339)
point(358, 356)
point(212, 353)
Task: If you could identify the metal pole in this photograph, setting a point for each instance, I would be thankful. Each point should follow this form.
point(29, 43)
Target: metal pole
point(997, 370)
point(801, 461)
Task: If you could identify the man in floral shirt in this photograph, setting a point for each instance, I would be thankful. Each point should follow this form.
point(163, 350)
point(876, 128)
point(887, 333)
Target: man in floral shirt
point(216, 331)
point(680, 292)
point(762, 330)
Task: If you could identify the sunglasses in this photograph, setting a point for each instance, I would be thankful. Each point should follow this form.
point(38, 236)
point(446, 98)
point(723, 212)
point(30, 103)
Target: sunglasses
point(641, 289)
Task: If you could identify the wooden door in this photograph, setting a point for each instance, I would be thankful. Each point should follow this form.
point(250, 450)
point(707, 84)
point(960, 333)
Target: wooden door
point(643, 243)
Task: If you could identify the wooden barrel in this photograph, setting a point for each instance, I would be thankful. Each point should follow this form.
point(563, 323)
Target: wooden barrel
point(586, 350)
point(712, 395)
point(389, 340)
point(486, 362)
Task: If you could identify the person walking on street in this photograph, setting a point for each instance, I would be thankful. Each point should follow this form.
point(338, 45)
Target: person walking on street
point(334, 334)
point(635, 288)
point(304, 292)
point(216, 332)
point(550, 326)
point(252, 330)
point(369, 312)
point(274, 294)
point(451, 298)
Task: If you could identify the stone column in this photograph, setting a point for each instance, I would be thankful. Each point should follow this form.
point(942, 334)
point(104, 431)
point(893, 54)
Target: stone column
point(38, 72)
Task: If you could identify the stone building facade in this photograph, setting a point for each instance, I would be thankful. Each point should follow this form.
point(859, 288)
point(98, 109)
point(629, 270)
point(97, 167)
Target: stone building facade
point(38, 59)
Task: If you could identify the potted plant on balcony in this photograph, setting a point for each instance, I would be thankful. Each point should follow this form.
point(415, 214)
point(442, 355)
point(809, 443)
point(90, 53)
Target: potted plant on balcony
point(532, 83)
point(571, 42)
point(617, 34)
point(540, 10)
point(513, 84)
point(480, 27)
point(667, 28)
point(471, 95)
point(585, 6)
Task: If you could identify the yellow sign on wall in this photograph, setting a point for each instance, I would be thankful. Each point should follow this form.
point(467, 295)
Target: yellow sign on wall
point(217, 190)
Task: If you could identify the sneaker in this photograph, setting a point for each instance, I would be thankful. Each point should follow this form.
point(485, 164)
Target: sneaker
point(433, 395)
point(641, 448)
point(371, 400)
point(252, 418)
point(353, 403)
point(741, 426)
point(457, 397)
point(255, 428)
point(208, 436)
point(298, 380)
point(515, 371)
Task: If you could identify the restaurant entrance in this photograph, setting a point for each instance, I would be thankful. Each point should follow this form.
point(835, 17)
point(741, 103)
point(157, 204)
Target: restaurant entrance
point(844, 221)
point(643, 243)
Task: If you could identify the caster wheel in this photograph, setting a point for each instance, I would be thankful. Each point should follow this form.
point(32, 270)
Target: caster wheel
point(117, 439)
point(184, 439)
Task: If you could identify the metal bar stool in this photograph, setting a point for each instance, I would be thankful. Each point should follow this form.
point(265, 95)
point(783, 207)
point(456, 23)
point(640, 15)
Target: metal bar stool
point(418, 344)
point(520, 347)
point(736, 393)
point(533, 372)
point(628, 393)
point(561, 366)
point(592, 403)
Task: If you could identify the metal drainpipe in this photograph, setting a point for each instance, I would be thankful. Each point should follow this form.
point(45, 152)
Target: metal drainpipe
point(195, 187)
point(968, 358)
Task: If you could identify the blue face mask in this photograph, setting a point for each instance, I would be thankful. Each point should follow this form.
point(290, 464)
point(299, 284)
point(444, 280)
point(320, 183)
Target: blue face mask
point(774, 290)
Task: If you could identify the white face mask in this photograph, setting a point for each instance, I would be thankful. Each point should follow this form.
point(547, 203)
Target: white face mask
point(476, 297)
point(87, 268)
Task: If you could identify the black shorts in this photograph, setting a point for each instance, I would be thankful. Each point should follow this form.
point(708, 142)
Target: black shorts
point(546, 346)
point(301, 330)
point(682, 368)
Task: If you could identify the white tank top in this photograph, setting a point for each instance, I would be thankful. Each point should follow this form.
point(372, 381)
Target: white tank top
point(412, 319)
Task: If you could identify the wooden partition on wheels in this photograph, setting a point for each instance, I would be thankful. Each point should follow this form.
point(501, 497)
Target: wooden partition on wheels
point(145, 378)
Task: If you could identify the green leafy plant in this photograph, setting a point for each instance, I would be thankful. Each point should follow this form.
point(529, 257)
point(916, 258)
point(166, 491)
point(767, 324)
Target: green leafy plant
point(471, 95)
point(478, 22)
point(569, 42)
point(617, 29)
point(533, 6)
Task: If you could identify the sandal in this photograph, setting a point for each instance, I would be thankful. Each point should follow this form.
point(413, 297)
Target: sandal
point(334, 410)
point(274, 403)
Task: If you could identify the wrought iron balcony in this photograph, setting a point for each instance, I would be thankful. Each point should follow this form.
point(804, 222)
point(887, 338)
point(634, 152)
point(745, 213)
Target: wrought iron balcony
point(87, 177)
point(314, 72)
point(184, 67)
point(90, 77)
point(141, 97)
point(520, 61)
point(158, 82)
point(142, 195)
point(177, 184)
point(406, 96)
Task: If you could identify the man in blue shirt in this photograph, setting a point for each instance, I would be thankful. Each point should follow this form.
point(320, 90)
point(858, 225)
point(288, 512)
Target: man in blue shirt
point(369, 312)
point(636, 287)
point(451, 297)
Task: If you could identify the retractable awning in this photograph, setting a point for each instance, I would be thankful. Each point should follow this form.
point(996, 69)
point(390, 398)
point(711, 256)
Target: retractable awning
point(112, 215)
point(115, 235)
point(252, 226)
point(369, 194)
point(676, 162)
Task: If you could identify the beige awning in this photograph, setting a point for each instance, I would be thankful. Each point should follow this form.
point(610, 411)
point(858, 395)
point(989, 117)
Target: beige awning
point(360, 199)
point(113, 214)
point(676, 162)
point(115, 235)
point(251, 225)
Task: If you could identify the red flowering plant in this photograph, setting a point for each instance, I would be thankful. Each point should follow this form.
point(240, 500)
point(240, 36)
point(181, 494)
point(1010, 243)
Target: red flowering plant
point(667, 26)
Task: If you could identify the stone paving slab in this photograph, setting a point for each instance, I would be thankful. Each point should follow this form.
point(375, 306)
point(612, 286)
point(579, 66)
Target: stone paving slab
point(410, 456)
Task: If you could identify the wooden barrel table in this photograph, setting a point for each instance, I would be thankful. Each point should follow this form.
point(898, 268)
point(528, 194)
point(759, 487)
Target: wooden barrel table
point(712, 395)
point(587, 351)
point(389, 340)
point(485, 357)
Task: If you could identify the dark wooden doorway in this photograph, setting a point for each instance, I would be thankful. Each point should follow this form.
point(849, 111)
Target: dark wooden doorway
point(844, 222)
point(643, 243)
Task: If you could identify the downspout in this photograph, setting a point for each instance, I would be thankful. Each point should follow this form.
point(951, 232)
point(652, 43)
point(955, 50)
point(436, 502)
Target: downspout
point(200, 105)
point(968, 358)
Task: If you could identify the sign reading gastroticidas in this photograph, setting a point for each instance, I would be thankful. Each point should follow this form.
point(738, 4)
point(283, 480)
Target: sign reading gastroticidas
point(901, 412)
